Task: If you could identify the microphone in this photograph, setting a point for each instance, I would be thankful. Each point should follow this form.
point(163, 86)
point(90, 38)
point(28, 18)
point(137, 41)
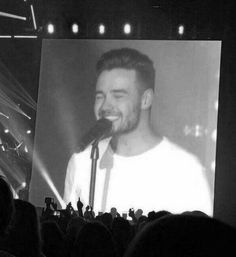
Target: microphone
point(100, 130)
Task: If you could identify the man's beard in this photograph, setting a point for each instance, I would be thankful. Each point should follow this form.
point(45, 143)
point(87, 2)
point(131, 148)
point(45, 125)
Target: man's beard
point(127, 125)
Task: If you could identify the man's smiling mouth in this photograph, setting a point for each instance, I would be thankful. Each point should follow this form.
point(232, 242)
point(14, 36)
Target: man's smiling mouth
point(111, 117)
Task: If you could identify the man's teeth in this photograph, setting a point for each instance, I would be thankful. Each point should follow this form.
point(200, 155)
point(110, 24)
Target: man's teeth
point(112, 118)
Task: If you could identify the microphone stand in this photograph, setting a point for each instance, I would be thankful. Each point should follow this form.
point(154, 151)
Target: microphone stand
point(94, 157)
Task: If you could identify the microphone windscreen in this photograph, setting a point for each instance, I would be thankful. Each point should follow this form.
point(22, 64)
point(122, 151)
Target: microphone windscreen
point(100, 130)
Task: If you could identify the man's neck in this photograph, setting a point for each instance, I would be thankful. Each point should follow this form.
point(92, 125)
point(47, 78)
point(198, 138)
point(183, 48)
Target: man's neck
point(135, 142)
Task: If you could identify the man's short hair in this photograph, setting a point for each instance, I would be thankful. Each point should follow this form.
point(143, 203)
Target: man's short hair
point(130, 59)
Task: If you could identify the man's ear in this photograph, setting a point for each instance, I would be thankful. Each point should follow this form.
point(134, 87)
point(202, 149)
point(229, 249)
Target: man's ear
point(147, 99)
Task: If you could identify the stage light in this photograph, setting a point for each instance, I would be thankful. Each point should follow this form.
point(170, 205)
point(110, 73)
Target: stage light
point(216, 105)
point(45, 175)
point(50, 28)
point(5, 36)
point(25, 36)
point(6, 131)
point(4, 115)
point(181, 30)
point(213, 166)
point(33, 16)
point(23, 184)
point(127, 28)
point(197, 131)
point(26, 149)
point(187, 130)
point(13, 16)
point(28, 131)
point(217, 75)
point(101, 29)
point(75, 28)
point(214, 135)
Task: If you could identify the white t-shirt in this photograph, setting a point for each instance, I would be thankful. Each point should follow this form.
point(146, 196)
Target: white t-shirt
point(165, 177)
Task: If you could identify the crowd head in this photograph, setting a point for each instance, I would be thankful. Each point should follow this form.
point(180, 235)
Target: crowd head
point(6, 206)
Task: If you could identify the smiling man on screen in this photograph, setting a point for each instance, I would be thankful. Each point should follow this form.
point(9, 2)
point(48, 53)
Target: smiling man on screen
point(137, 167)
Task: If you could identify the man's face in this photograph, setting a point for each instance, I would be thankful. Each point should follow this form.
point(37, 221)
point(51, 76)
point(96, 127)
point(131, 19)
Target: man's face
point(118, 99)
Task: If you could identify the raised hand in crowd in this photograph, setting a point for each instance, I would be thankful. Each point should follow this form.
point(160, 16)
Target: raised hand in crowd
point(132, 215)
point(80, 207)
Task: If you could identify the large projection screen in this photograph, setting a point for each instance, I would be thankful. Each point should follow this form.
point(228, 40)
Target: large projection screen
point(184, 110)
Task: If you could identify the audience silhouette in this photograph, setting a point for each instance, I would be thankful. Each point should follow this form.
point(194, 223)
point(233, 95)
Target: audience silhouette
point(184, 235)
point(24, 237)
point(53, 243)
point(73, 228)
point(78, 234)
point(6, 206)
point(94, 240)
point(6, 213)
point(122, 233)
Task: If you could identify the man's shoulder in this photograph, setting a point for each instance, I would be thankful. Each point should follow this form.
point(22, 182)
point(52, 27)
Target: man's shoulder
point(177, 152)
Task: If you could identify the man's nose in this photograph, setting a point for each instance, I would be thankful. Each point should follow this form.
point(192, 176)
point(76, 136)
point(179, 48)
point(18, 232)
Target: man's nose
point(107, 105)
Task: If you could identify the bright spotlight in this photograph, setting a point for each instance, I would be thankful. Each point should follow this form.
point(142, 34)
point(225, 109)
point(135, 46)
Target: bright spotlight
point(26, 149)
point(6, 131)
point(50, 28)
point(4, 115)
point(45, 175)
point(75, 28)
point(28, 131)
point(181, 30)
point(101, 29)
point(213, 166)
point(214, 135)
point(216, 105)
point(127, 28)
point(23, 184)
